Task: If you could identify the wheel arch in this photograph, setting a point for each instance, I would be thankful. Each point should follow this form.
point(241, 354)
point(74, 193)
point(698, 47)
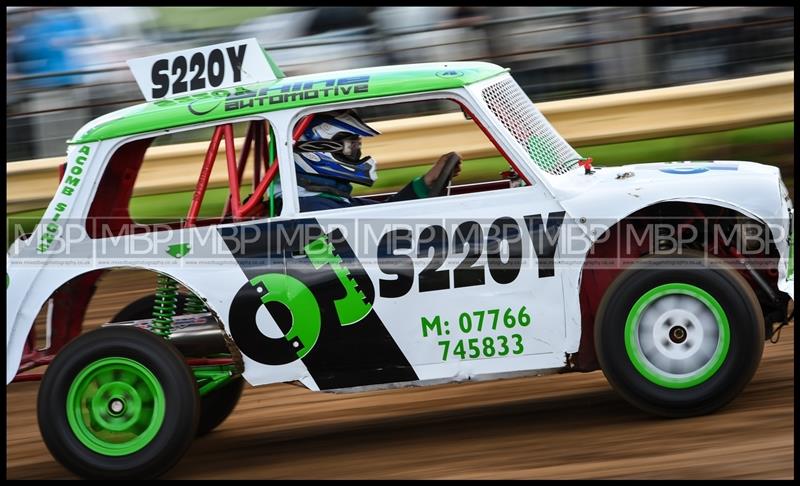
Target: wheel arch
point(73, 293)
point(595, 282)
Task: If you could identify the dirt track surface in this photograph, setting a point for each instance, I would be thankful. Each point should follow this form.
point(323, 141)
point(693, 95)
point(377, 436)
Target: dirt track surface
point(558, 426)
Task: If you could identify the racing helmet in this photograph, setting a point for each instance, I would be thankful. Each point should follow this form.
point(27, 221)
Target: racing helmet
point(331, 147)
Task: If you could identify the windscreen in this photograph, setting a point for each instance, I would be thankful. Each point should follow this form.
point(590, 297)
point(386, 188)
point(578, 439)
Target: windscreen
point(530, 128)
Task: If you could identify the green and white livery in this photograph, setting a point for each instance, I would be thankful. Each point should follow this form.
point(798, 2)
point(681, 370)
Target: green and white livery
point(554, 269)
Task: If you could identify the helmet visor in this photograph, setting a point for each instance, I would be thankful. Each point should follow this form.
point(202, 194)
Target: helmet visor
point(348, 149)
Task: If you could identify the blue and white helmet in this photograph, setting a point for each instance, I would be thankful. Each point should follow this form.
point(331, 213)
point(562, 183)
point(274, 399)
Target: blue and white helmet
point(331, 147)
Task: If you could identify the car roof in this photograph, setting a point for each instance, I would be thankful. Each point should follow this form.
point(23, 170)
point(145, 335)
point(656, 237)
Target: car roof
point(283, 93)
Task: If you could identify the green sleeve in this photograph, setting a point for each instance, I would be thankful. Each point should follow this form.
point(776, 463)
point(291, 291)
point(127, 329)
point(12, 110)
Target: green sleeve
point(416, 189)
point(420, 188)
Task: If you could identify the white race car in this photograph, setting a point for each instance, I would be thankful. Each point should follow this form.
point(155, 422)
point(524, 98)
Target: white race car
point(667, 276)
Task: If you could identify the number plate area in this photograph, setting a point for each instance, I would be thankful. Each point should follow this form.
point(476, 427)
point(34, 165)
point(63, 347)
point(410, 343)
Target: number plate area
point(190, 71)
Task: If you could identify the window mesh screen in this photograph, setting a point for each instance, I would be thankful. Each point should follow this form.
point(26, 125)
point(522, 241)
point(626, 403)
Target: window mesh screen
point(530, 128)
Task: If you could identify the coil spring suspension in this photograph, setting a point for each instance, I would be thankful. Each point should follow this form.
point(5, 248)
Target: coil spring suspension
point(194, 304)
point(165, 306)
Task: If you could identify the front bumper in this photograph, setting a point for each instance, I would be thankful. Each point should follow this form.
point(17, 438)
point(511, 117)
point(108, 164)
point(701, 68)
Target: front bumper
point(786, 265)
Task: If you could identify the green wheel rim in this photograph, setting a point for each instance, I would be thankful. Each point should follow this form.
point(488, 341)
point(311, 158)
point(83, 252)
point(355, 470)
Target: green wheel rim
point(115, 406)
point(704, 330)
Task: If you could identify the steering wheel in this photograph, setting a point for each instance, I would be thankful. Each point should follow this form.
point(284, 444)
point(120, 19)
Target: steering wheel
point(441, 182)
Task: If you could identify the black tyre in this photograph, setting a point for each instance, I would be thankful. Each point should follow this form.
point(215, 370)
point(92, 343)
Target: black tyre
point(216, 405)
point(118, 402)
point(677, 338)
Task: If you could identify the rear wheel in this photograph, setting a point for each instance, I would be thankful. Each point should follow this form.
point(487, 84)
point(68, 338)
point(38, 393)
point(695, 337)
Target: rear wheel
point(118, 402)
point(678, 339)
point(216, 405)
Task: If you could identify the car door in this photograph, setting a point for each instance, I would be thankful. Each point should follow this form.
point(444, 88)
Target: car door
point(470, 291)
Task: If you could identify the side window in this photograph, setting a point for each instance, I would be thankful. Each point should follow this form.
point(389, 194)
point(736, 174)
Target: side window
point(187, 179)
point(373, 154)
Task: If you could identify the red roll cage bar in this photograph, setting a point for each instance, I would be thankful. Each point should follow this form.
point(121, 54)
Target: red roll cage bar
point(257, 131)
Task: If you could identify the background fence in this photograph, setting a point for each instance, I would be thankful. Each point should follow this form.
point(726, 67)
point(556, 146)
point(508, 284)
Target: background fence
point(554, 52)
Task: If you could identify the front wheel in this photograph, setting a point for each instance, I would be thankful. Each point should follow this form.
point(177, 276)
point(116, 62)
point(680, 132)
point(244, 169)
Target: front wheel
point(679, 338)
point(118, 402)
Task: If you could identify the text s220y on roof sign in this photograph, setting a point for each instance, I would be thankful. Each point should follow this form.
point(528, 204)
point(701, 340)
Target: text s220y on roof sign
point(189, 71)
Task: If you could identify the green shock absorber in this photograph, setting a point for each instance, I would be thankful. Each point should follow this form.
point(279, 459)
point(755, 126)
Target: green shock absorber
point(194, 304)
point(165, 306)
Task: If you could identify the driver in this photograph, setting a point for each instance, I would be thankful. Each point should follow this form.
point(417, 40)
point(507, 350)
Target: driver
point(328, 159)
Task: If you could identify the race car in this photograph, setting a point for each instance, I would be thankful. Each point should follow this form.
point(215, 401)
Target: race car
point(654, 273)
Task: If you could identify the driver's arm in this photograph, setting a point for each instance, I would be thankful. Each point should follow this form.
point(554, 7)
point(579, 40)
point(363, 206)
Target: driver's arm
point(416, 189)
point(419, 186)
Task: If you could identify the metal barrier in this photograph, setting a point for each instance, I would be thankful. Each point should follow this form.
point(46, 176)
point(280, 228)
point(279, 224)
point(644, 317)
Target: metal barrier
point(705, 107)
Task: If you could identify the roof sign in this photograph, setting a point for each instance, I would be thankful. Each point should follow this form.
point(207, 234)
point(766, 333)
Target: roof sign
point(189, 71)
